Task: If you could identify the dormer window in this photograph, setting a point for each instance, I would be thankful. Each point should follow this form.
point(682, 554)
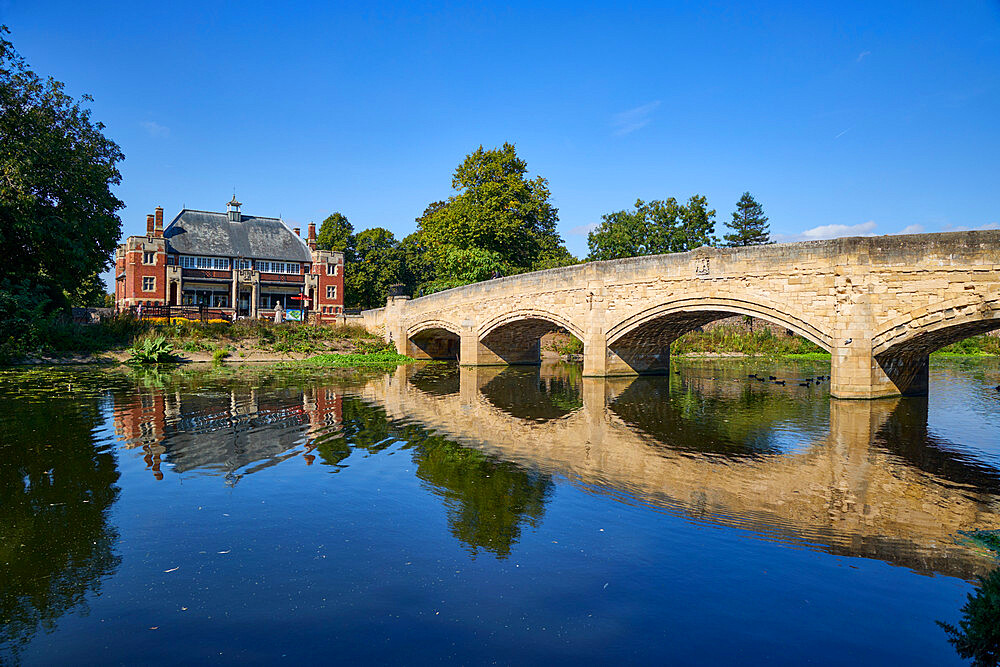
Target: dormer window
point(234, 210)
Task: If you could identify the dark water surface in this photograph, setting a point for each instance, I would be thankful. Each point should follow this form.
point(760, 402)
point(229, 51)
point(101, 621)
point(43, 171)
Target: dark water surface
point(489, 515)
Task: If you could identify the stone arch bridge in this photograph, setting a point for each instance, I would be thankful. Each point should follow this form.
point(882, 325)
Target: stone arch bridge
point(880, 305)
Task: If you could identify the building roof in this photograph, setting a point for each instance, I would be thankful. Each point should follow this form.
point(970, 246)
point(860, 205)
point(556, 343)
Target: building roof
point(207, 233)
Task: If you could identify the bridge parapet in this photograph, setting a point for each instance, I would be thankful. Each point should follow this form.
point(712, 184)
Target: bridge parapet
point(879, 305)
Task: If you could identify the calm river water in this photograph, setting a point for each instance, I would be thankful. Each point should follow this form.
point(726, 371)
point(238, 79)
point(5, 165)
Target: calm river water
point(521, 515)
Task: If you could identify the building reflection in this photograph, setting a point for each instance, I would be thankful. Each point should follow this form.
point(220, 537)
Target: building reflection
point(857, 478)
point(226, 430)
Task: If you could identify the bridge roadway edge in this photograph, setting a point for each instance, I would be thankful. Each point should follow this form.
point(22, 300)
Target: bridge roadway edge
point(879, 305)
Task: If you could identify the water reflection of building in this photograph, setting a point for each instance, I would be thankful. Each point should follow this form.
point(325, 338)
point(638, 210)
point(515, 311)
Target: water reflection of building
point(228, 431)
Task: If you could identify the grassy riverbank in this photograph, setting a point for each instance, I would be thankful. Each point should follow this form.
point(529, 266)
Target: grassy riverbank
point(737, 341)
point(196, 341)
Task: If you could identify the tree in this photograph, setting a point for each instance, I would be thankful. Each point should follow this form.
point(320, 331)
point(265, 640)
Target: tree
point(418, 267)
point(653, 228)
point(499, 218)
point(90, 293)
point(58, 217)
point(337, 233)
point(379, 263)
point(749, 224)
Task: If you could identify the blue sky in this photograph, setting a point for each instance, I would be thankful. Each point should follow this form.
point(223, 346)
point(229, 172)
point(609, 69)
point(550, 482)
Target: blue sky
point(840, 118)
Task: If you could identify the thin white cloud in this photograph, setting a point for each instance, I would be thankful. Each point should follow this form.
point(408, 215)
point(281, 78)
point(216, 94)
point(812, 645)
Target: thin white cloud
point(827, 232)
point(155, 130)
point(965, 228)
point(843, 132)
point(863, 55)
point(583, 230)
point(913, 229)
point(629, 121)
point(835, 231)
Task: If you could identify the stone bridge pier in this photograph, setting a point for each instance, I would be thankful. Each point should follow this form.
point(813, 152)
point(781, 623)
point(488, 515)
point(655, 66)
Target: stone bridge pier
point(878, 305)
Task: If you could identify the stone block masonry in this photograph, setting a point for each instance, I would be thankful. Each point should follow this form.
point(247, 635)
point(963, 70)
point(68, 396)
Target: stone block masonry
point(880, 305)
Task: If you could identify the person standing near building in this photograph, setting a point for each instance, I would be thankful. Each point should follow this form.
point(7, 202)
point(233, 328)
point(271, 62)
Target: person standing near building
point(279, 313)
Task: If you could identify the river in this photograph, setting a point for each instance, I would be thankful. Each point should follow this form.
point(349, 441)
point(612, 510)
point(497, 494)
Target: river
point(515, 515)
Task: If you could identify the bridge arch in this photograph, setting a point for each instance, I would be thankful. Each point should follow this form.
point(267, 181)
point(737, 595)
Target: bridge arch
point(433, 339)
point(641, 342)
point(928, 329)
point(902, 348)
point(515, 337)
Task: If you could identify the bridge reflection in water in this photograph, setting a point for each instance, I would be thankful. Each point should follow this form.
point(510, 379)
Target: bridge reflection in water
point(859, 478)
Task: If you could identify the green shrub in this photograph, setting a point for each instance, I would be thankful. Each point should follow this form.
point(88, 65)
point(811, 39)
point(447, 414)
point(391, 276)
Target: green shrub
point(219, 355)
point(152, 351)
point(736, 339)
point(573, 345)
point(373, 346)
point(973, 346)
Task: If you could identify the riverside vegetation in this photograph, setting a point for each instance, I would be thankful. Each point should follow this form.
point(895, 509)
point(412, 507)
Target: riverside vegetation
point(739, 341)
point(150, 342)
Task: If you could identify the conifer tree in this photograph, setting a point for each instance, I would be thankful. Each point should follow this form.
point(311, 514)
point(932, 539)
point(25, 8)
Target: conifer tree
point(749, 224)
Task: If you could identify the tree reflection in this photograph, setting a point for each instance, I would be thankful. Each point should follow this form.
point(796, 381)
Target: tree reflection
point(436, 379)
point(524, 393)
point(978, 634)
point(488, 500)
point(56, 541)
point(733, 419)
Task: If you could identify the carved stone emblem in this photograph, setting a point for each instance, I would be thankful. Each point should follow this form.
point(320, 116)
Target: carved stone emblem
point(701, 267)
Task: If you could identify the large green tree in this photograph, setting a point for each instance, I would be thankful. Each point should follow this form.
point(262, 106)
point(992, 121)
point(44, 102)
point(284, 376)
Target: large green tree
point(58, 216)
point(337, 233)
point(500, 221)
point(749, 224)
point(379, 263)
point(653, 228)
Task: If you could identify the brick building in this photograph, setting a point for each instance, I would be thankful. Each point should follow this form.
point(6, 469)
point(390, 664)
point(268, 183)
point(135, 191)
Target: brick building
point(229, 262)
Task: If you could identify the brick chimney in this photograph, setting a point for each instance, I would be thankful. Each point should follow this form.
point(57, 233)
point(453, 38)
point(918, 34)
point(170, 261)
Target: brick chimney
point(158, 229)
point(297, 230)
point(311, 241)
point(149, 224)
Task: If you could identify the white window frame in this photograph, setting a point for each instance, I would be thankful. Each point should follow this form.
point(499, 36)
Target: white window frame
point(152, 286)
point(331, 269)
point(200, 262)
point(331, 292)
point(151, 255)
point(267, 266)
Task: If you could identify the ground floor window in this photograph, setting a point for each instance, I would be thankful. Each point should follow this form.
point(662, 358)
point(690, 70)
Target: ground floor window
point(331, 291)
point(272, 299)
point(208, 298)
